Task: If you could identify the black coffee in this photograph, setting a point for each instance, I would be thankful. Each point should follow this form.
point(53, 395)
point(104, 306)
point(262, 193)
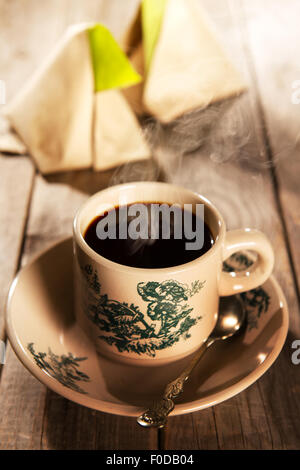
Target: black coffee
point(146, 241)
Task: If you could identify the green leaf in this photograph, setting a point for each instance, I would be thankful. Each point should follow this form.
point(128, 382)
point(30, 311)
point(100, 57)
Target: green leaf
point(152, 16)
point(111, 66)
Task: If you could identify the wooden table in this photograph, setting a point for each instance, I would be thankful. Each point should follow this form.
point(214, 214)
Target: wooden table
point(251, 171)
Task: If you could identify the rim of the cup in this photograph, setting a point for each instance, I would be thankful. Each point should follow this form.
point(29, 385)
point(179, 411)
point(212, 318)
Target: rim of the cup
point(79, 238)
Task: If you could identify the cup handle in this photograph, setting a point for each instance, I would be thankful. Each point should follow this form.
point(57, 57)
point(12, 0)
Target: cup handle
point(252, 277)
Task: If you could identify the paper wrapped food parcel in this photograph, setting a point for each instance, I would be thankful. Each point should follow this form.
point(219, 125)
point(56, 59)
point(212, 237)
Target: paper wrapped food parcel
point(72, 114)
point(175, 46)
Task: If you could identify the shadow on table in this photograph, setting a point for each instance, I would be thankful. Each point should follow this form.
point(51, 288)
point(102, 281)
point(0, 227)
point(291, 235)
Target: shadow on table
point(89, 181)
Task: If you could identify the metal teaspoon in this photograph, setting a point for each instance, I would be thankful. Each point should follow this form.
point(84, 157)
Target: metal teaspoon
point(230, 319)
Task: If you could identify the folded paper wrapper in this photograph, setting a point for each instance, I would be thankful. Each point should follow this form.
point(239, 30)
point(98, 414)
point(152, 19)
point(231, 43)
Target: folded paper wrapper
point(9, 141)
point(66, 125)
point(174, 45)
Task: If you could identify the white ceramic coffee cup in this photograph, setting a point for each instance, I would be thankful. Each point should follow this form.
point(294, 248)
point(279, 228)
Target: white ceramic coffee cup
point(158, 315)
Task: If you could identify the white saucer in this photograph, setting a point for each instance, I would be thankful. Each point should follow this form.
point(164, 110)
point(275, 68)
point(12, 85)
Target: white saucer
point(45, 337)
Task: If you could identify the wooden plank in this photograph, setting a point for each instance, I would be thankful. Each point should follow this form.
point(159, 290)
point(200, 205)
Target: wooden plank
point(191, 431)
point(242, 187)
point(275, 27)
point(20, 423)
point(16, 179)
point(50, 218)
point(33, 417)
point(70, 426)
point(243, 421)
point(57, 423)
point(277, 76)
point(239, 423)
point(25, 43)
point(16, 175)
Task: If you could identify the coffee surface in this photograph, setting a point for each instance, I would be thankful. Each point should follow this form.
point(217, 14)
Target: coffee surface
point(152, 251)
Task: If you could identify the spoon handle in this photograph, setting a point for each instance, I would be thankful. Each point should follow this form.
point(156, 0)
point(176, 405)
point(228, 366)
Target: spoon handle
point(156, 415)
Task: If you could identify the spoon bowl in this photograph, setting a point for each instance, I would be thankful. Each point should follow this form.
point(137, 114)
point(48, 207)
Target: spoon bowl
point(231, 319)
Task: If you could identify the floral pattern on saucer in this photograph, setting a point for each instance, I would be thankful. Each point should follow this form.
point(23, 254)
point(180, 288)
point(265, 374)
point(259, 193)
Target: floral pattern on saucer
point(63, 368)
